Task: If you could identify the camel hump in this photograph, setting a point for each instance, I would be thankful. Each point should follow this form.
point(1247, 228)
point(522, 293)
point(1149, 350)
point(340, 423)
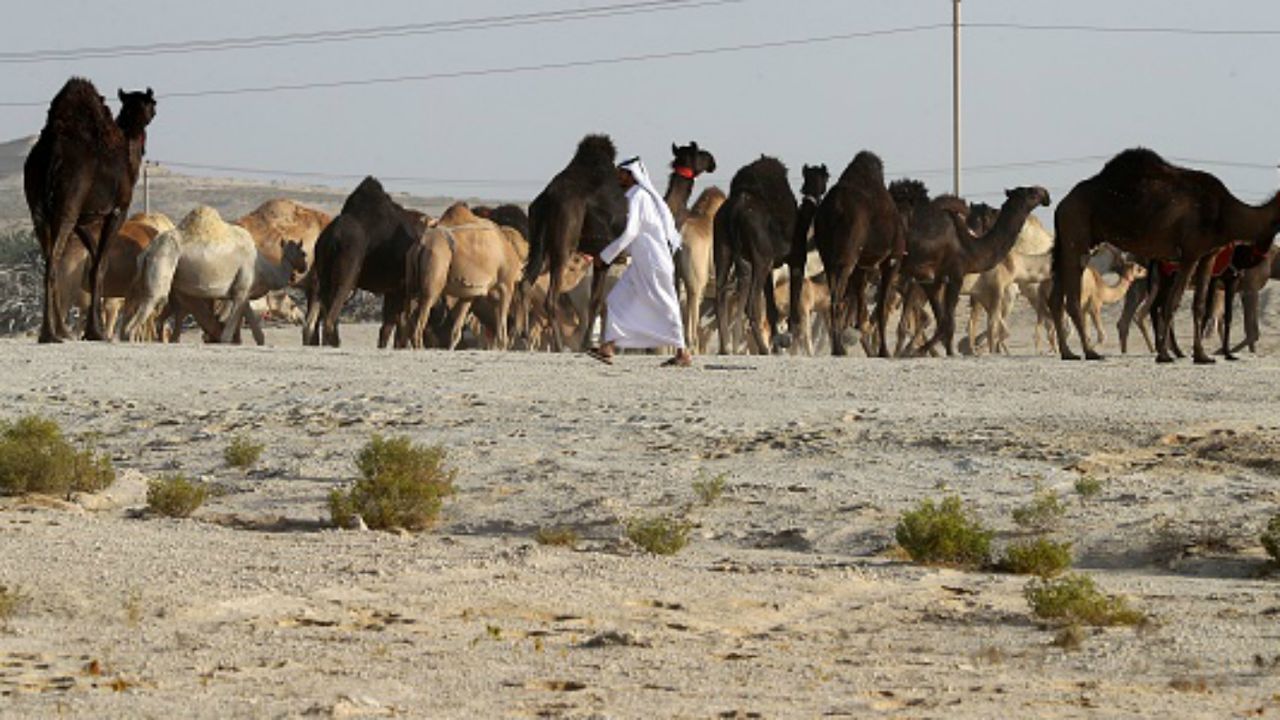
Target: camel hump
point(205, 225)
point(1033, 238)
point(708, 202)
point(79, 110)
point(460, 214)
point(156, 221)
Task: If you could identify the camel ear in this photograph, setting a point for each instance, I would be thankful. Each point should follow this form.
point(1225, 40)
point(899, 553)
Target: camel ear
point(674, 149)
point(120, 94)
point(824, 169)
point(711, 166)
point(1008, 193)
point(150, 95)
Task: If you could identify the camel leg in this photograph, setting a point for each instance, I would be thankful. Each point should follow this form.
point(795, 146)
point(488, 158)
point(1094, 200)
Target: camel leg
point(1095, 314)
point(1132, 301)
point(53, 327)
point(595, 306)
point(458, 318)
point(1065, 291)
point(239, 303)
point(934, 293)
point(888, 279)
point(392, 321)
point(758, 278)
point(311, 323)
point(1230, 281)
point(93, 322)
point(342, 292)
point(838, 282)
point(1200, 309)
point(505, 293)
point(1249, 305)
point(723, 258)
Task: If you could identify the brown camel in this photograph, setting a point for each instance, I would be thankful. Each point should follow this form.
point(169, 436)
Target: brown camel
point(79, 178)
point(754, 233)
point(364, 247)
point(1158, 211)
point(942, 249)
point(688, 163)
point(582, 209)
point(463, 257)
point(857, 229)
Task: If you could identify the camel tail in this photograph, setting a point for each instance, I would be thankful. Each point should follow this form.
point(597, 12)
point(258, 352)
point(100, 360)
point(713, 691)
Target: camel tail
point(538, 223)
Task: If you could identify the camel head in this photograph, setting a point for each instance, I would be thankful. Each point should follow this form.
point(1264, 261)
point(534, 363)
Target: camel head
point(1133, 271)
point(137, 109)
point(690, 161)
point(1029, 197)
point(295, 258)
point(815, 181)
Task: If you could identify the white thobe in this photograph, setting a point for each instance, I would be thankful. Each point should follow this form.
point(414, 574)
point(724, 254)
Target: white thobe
point(644, 309)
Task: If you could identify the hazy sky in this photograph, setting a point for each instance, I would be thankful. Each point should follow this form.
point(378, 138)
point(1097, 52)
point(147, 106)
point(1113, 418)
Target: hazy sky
point(1030, 95)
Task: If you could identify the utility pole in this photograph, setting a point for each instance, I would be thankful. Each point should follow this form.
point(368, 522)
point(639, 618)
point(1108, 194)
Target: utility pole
point(955, 95)
point(146, 187)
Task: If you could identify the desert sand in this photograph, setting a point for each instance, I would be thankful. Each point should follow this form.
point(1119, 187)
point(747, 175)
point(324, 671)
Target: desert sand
point(788, 602)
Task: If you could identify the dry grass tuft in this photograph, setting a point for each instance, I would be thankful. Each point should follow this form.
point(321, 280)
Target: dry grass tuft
point(401, 485)
point(1041, 557)
point(558, 536)
point(944, 534)
point(659, 535)
point(242, 452)
point(35, 457)
point(1076, 599)
point(175, 496)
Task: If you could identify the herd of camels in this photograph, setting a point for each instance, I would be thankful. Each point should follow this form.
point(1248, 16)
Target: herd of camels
point(841, 258)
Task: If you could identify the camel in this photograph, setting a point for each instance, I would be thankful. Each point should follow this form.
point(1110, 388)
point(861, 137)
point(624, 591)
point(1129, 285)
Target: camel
point(1030, 262)
point(1158, 211)
point(271, 224)
point(942, 249)
point(857, 229)
point(79, 178)
point(1250, 285)
point(1095, 294)
point(364, 247)
point(754, 232)
point(582, 209)
point(121, 260)
point(206, 259)
point(813, 187)
point(814, 308)
point(693, 262)
point(464, 257)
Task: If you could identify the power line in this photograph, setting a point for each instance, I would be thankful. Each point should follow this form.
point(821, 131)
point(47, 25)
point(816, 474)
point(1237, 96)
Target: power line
point(485, 72)
point(1154, 30)
point(358, 34)
point(343, 176)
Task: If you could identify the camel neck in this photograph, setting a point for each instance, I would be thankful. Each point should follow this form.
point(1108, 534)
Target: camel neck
point(1254, 225)
point(269, 276)
point(992, 247)
point(679, 190)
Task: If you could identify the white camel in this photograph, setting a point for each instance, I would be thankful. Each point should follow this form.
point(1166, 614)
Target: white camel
point(206, 259)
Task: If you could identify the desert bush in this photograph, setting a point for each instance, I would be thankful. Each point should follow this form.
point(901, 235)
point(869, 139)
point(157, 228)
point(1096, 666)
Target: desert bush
point(1076, 599)
point(242, 452)
point(1271, 539)
point(557, 536)
point(1070, 637)
point(36, 457)
point(709, 489)
point(401, 485)
point(944, 534)
point(1042, 514)
point(11, 601)
point(1041, 557)
point(175, 496)
point(659, 535)
point(1088, 487)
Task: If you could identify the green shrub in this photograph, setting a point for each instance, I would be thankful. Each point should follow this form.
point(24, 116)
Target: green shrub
point(35, 457)
point(944, 535)
point(659, 535)
point(1088, 487)
point(242, 452)
point(709, 489)
point(175, 496)
point(1076, 599)
point(1271, 539)
point(557, 536)
point(1042, 557)
point(401, 485)
point(1043, 514)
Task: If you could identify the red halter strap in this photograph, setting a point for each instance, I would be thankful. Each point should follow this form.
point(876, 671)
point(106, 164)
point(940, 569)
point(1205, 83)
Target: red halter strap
point(684, 172)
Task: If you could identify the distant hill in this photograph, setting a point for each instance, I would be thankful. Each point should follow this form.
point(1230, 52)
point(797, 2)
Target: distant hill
point(174, 194)
point(13, 154)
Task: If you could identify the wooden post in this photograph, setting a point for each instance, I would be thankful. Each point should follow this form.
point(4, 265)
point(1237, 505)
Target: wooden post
point(955, 95)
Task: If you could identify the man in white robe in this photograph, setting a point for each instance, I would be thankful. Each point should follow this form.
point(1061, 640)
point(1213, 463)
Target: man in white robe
point(644, 309)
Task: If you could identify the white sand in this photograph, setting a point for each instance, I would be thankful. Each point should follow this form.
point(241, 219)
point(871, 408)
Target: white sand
point(784, 604)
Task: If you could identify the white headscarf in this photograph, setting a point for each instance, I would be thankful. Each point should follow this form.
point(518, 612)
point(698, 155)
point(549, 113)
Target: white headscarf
point(636, 167)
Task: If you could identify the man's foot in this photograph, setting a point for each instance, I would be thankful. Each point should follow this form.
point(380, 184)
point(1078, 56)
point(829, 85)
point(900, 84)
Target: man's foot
point(601, 355)
point(683, 358)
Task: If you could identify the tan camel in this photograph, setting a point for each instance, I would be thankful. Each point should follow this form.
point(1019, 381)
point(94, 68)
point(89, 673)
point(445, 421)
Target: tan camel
point(1030, 261)
point(694, 261)
point(120, 266)
point(815, 308)
point(1095, 294)
point(464, 257)
point(206, 259)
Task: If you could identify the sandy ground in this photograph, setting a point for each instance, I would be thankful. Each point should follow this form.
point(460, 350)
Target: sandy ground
point(787, 603)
